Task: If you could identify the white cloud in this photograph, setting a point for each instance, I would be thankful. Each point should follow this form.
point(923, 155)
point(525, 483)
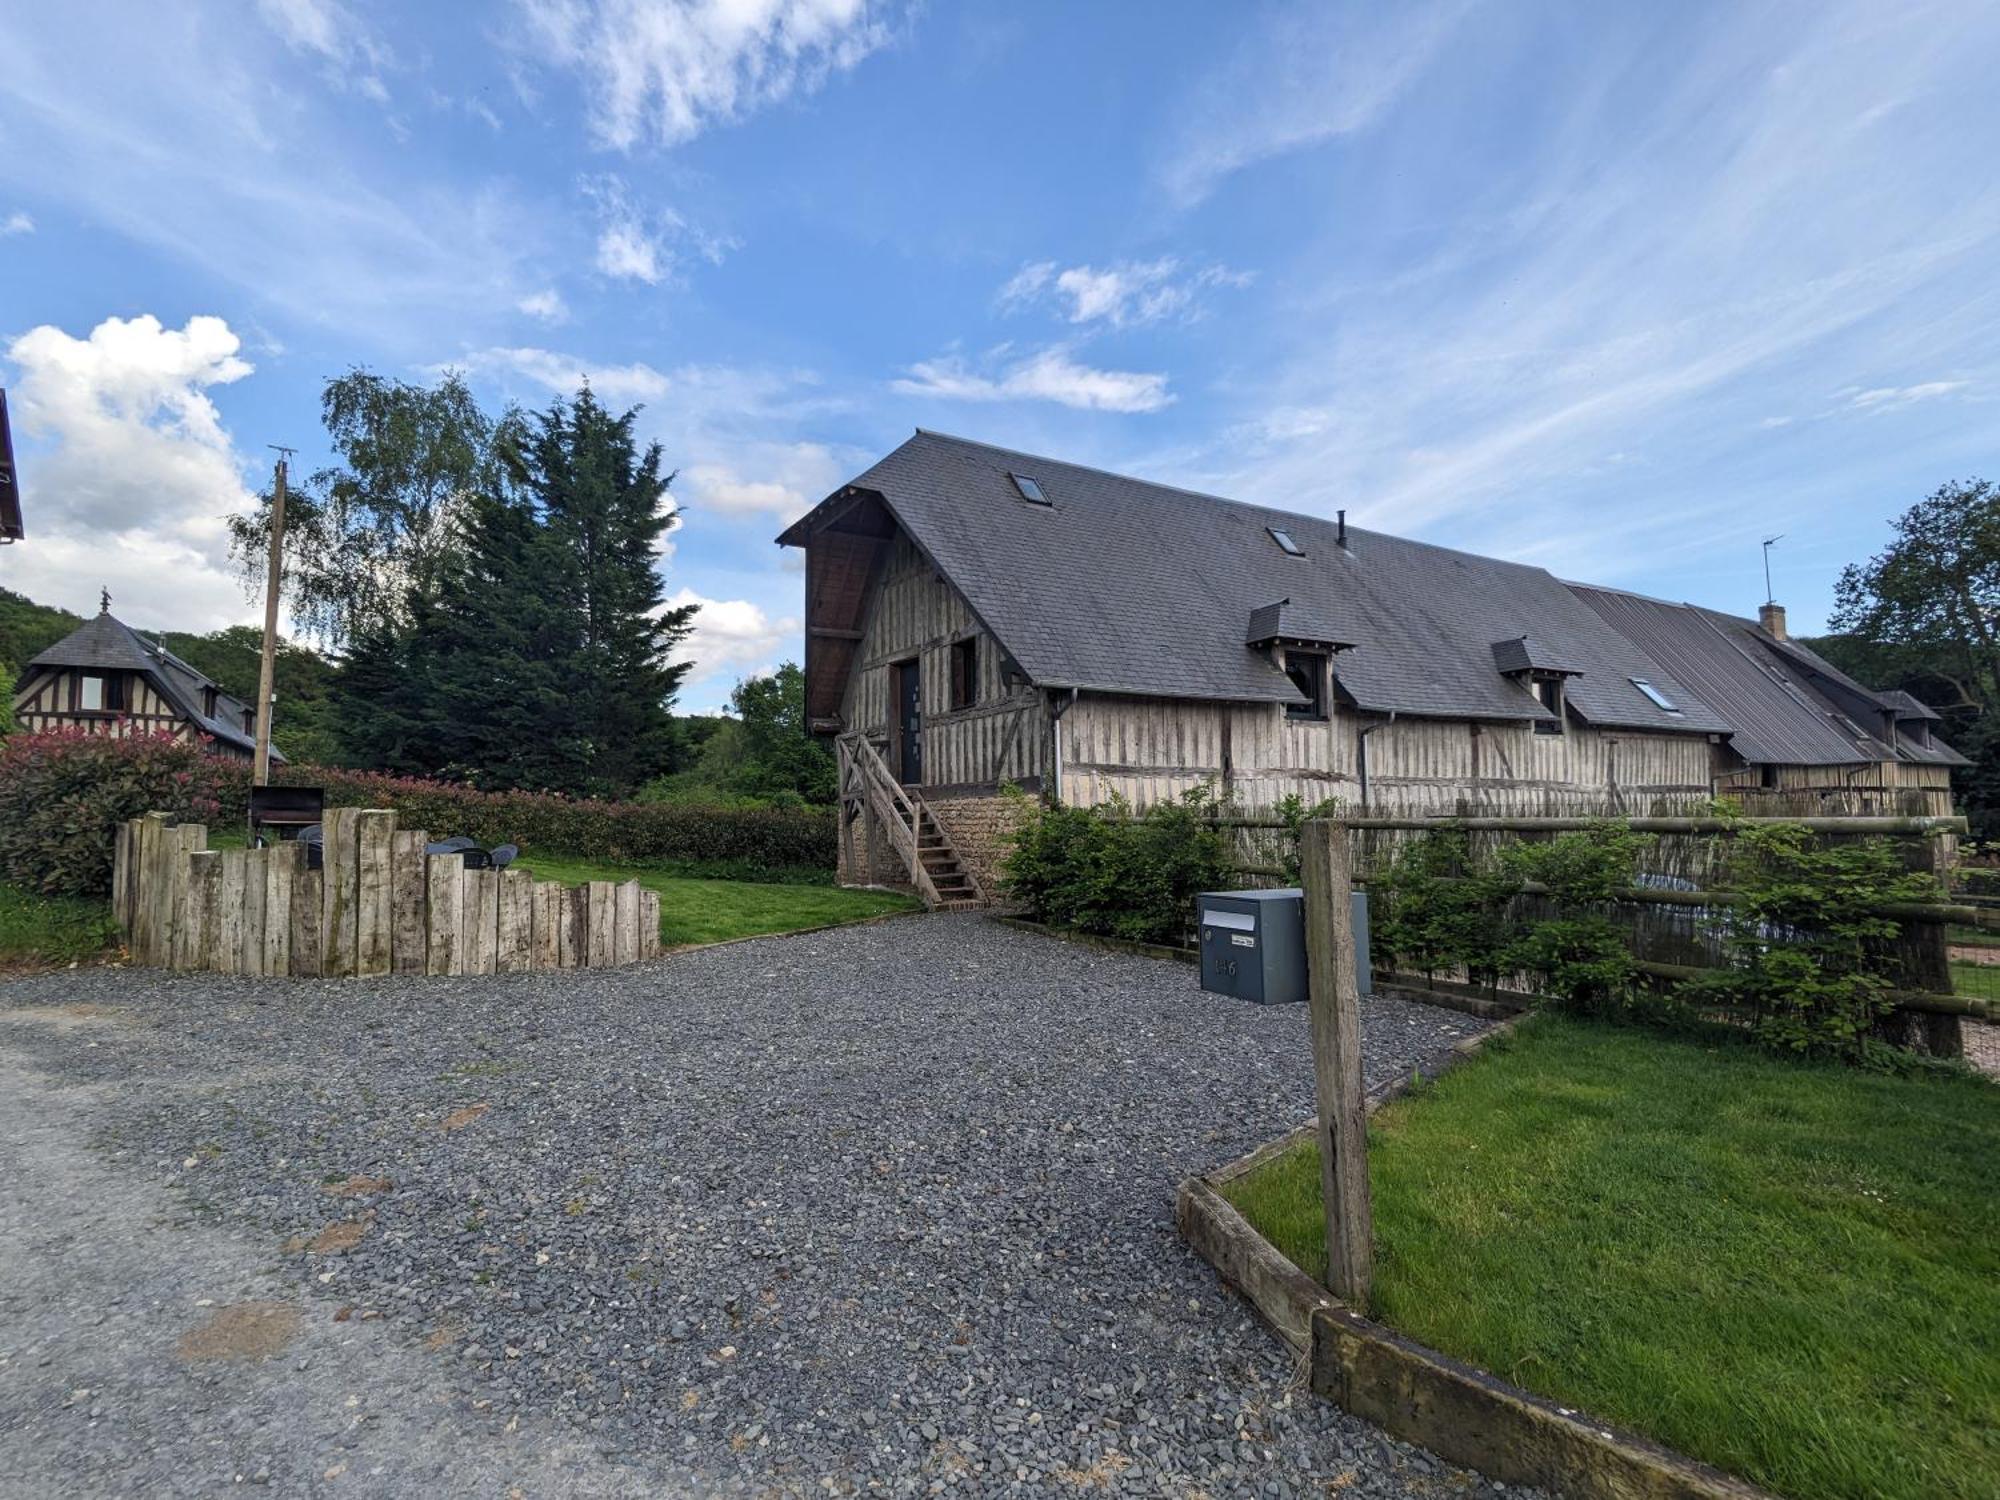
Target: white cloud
point(1889, 397)
point(18, 222)
point(127, 470)
point(1311, 74)
point(327, 29)
point(781, 481)
point(665, 70)
point(1126, 294)
point(547, 305)
point(1049, 375)
point(636, 245)
point(625, 251)
point(734, 634)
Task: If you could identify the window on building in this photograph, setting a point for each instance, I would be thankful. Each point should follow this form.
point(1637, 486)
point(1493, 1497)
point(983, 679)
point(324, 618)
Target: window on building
point(98, 692)
point(965, 672)
point(1307, 669)
point(1029, 489)
point(208, 703)
point(1769, 777)
point(1284, 540)
point(1654, 696)
point(1549, 690)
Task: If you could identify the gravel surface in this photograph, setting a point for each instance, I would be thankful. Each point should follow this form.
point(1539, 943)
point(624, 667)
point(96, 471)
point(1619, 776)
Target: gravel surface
point(887, 1208)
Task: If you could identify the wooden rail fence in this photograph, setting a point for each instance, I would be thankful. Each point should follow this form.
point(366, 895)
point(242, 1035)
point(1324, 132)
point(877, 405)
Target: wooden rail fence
point(378, 905)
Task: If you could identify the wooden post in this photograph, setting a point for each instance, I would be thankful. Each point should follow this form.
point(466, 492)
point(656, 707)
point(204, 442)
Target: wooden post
point(625, 930)
point(1336, 1043)
point(121, 872)
point(573, 938)
point(545, 941)
point(408, 936)
point(250, 935)
point(151, 895)
point(337, 892)
point(514, 939)
point(481, 922)
point(649, 924)
point(260, 764)
point(195, 950)
point(444, 884)
point(602, 946)
point(308, 911)
point(182, 842)
point(228, 941)
point(373, 890)
point(282, 863)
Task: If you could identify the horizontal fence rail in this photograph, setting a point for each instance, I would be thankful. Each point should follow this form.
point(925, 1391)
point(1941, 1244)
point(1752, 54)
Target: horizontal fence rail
point(379, 904)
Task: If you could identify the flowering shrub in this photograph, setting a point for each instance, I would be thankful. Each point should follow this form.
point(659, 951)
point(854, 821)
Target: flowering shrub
point(63, 795)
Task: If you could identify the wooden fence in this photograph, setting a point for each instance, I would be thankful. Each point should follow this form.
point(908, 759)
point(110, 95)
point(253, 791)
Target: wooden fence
point(379, 905)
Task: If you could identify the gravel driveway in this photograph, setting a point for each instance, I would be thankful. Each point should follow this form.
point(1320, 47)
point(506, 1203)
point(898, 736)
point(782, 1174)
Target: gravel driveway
point(887, 1208)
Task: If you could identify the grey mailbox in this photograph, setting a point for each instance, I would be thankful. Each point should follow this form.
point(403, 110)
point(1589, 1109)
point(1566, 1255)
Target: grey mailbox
point(1253, 944)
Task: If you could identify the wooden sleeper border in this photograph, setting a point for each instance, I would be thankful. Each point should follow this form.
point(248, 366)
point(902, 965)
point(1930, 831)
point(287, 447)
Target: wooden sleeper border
point(1415, 1393)
point(379, 905)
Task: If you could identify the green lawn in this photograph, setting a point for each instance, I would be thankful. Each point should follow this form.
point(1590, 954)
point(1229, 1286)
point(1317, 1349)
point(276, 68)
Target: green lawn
point(708, 911)
point(1790, 1271)
point(52, 929)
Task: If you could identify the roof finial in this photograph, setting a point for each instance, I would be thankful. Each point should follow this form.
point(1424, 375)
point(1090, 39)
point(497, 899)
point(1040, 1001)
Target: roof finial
point(104, 601)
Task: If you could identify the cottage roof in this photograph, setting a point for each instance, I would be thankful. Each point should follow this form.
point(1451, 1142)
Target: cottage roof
point(105, 643)
point(1523, 653)
point(1765, 687)
point(1121, 585)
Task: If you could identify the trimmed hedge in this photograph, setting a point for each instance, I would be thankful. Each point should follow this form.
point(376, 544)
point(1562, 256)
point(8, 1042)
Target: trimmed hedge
point(62, 797)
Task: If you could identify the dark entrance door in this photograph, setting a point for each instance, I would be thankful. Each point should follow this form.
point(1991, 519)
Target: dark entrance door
point(909, 724)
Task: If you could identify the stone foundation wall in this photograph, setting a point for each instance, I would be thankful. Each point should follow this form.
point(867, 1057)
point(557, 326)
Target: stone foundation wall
point(980, 824)
point(887, 869)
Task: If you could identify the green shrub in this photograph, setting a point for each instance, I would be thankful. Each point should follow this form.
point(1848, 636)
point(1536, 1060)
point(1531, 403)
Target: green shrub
point(1103, 870)
point(63, 795)
point(1579, 957)
point(1436, 908)
point(1806, 947)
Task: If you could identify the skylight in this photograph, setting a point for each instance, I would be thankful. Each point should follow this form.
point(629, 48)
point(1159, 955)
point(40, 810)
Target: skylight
point(1029, 489)
point(1284, 539)
point(1653, 695)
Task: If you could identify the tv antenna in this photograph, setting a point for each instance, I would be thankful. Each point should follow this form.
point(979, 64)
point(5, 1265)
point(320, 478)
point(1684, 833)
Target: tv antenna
point(1769, 542)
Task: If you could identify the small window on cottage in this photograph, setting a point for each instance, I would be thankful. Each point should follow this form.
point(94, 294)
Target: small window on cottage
point(1654, 696)
point(1550, 691)
point(90, 692)
point(1307, 669)
point(1029, 489)
point(965, 672)
point(1284, 540)
point(1769, 776)
point(208, 703)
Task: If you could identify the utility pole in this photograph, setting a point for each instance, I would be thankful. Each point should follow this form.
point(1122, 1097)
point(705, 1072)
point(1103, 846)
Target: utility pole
point(267, 667)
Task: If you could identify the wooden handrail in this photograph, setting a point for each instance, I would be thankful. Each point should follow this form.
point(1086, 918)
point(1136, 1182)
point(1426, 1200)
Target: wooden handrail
point(893, 806)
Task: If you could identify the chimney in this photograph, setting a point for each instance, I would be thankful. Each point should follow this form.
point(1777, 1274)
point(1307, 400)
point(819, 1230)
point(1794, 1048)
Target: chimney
point(1343, 528)
point(1772, 617)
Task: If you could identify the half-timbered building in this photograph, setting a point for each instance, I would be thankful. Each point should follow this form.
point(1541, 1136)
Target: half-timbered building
point(977, 617)
point(106, 678)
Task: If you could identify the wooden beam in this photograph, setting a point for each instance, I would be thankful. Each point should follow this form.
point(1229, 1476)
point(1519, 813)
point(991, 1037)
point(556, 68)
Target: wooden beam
point(409, 936)
point(337, 892)
point(829, 633)
point(515, 922)
point(1335, 1005)
point(602, 946)
point(374, 890)
point(444, 934)
point(308, 913)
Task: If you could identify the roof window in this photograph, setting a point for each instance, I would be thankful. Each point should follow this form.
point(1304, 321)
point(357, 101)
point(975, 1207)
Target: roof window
point(1654, 696)
point(1284, 540)
point(1030, 490)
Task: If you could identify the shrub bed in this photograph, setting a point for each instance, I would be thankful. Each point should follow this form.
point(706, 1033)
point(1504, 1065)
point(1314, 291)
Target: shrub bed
point(62, 797)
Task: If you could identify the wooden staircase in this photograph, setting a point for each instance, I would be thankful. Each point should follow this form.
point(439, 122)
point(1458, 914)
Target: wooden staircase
point(868, 789)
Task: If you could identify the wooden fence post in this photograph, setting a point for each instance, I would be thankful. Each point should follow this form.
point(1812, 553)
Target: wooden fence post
point(227, 943)
point(308, 943)
point(601, 951)
point(545, 944)
point(649, 924)
point(337, 892)
point(444, 914)
point(573, 930)
point(1335, 1004)
point(373, 890)
point(625, 928)
point(513, 944)
point(409, 937)
point(281, 867)
point(481, 920)
point(195, 949)
point(256, 868)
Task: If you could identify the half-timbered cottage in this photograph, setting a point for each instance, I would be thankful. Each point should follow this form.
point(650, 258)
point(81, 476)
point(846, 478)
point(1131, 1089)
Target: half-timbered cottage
point(977, 617)
point(106, 678)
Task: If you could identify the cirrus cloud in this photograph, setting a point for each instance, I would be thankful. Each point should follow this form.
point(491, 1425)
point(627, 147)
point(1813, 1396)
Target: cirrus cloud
point(1047, 375)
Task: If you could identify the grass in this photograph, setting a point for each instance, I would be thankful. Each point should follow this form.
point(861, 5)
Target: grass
point(52, 929)
point(1790, 1271)
point(696, 910)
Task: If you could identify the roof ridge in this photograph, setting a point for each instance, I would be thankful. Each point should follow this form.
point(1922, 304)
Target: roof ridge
point(1274, 510)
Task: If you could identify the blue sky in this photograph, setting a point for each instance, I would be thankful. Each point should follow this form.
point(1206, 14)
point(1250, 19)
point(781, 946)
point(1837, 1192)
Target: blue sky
point(1616, 289)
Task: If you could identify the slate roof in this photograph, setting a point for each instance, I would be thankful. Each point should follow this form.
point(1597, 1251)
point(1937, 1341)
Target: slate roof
point(1286, 621)
point(1526, 654)
point(111, 645)
point(1908, 705)
point(1121, 585)
point(1763, 686)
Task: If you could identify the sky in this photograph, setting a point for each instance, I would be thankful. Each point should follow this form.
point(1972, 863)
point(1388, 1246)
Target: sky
point(1619, 290)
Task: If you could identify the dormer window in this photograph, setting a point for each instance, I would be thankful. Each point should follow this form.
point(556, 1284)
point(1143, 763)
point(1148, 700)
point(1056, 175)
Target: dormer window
point(1549, 691)
point(100, 692)
point(1307, 670)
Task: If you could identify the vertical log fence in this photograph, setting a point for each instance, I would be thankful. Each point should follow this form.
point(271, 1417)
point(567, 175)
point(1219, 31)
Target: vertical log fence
point(379, 904)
